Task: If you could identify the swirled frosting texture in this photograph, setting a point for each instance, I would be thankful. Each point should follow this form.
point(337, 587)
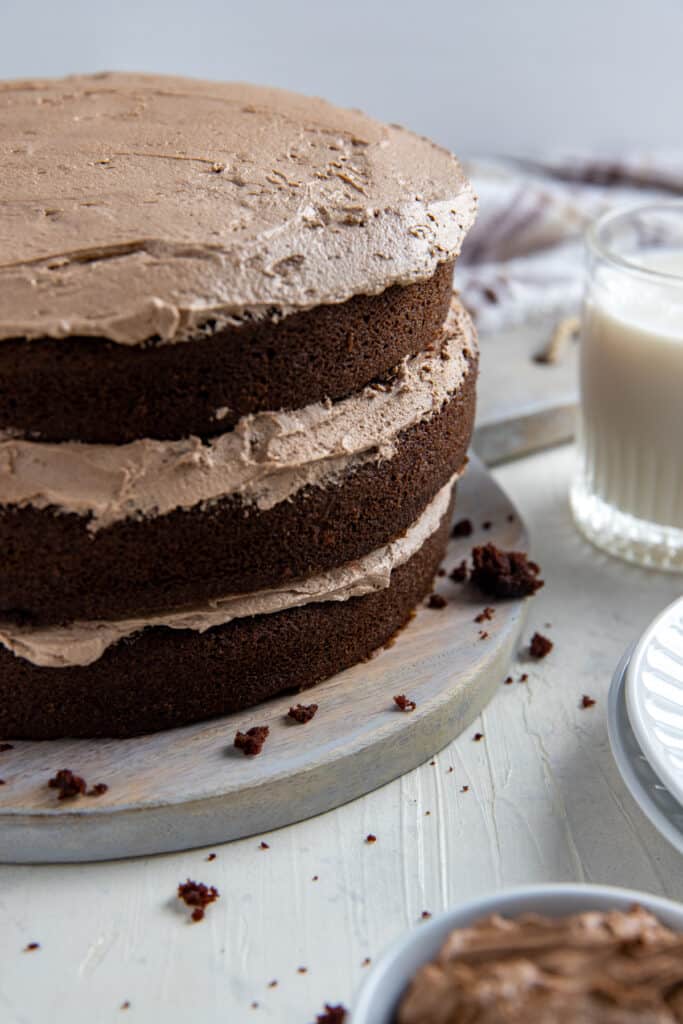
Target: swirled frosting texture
point(613, 968)
point(266, 459)
point(82, 643)
point(139, 206)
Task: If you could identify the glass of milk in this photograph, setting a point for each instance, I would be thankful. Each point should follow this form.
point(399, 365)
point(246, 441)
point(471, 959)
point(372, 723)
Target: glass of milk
point(627, 497)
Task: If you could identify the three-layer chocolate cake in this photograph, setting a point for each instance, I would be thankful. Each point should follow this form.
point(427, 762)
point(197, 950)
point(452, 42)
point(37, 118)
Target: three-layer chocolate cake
point(235, 393)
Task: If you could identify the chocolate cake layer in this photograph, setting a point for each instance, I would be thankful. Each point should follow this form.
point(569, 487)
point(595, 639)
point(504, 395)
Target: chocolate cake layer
point(163, 678)
point(55, 570)
point(99, 392)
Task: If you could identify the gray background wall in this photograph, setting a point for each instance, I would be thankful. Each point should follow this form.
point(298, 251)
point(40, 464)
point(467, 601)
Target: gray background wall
point(479, 76)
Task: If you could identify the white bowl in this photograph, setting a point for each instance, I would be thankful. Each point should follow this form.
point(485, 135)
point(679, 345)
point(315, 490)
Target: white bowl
point(381, 993)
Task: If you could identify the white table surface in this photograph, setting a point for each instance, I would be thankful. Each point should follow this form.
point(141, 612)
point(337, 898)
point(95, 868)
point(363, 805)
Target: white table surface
point(545, 803)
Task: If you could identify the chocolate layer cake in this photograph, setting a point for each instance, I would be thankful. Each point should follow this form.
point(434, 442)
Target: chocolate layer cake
point(235, 393)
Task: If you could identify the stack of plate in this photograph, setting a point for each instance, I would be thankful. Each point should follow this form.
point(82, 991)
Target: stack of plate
point(645, 722)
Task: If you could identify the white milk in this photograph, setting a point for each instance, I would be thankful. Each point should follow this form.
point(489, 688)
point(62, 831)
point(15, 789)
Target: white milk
point(632, 390)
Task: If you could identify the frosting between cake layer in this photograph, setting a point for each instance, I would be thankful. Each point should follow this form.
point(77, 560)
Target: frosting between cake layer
point(266, 459)
point(82, 643)
point(140, 207)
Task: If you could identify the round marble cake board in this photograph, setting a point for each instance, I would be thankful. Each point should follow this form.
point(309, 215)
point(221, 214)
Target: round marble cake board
point(189, 787)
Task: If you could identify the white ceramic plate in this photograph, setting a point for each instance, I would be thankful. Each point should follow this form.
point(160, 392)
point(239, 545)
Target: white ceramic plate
point(654, 696)
point(651, 795)
point(379, 997)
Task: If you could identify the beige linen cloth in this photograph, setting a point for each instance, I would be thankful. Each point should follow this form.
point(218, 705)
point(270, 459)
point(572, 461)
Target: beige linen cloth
point(524, 258)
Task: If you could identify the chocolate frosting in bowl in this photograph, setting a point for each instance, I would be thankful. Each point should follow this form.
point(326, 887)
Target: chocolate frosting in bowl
point(140, 207)
point(613, 968)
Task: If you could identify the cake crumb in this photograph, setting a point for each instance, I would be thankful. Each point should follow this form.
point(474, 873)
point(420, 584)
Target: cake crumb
point(332, 1014)
point(67, 784)
point(125, 1005)
point(465, 789)
point(459, 573)
point(504, 574)
point(302, 970)
point(437, 601)
point(483, 635)
point(251, 742)
point(587, 702)
point(254, 1005)
point(315, 878)
point(485, 615)
point(540, 646)
point(487, 525)
point(99, 789)
point(366, 962)
point(31, 947)
point(524, 677)
point(302, 713)
point(441, 571)
point(463, 528)
point(425, 915)
point(273, 983)
point(370, 839)
point(508, 680)
point(263, 845)
point(404, 703)
point(450, 770)
point(197, 895)
point(212, 856)
point(478, 736)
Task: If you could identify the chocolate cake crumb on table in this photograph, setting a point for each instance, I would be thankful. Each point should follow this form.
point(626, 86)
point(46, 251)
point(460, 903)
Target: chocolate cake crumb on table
point(332, 1014)
point(302, 713)
point(252, 741)
point(459, 573)
point(67, 784)
point(404, 703)
point(540, 646)
point(463, 528)
point(230, 434)
point(197, 895)
point(504, 574)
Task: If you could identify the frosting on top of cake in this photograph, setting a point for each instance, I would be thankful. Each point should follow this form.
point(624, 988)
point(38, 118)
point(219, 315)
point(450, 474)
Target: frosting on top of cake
point(140, 207)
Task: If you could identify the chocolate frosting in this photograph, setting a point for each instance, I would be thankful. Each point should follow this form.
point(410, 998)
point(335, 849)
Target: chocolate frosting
point(82, 643)
point(141, 207)
point(267, 458)
point(612, 968)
